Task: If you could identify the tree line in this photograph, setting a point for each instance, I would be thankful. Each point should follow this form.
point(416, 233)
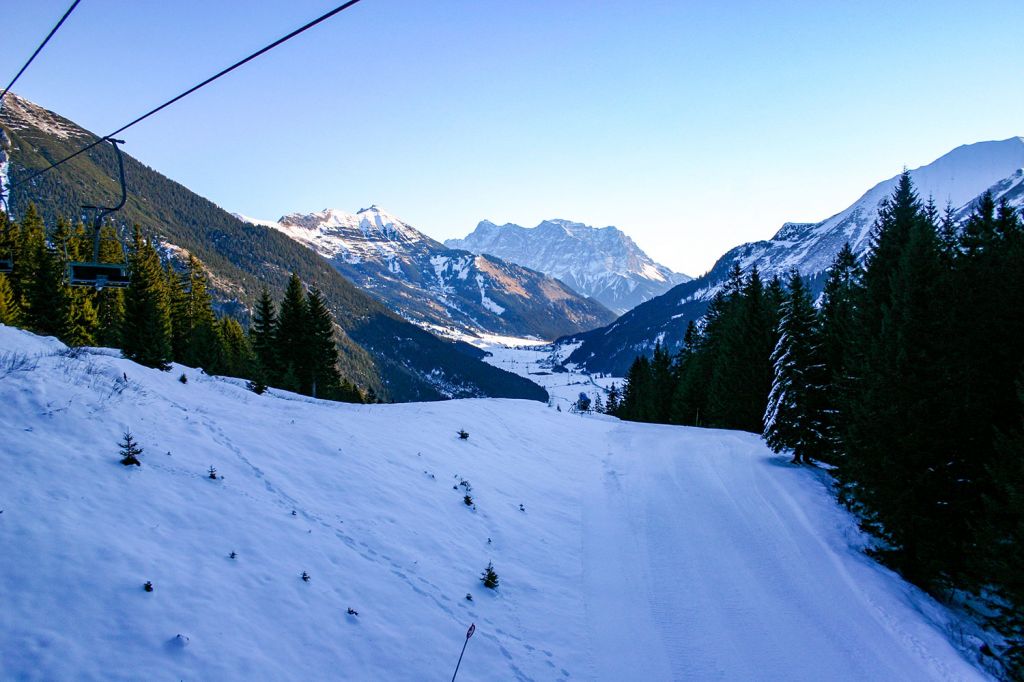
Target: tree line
point(906, 376)
point(164, 315)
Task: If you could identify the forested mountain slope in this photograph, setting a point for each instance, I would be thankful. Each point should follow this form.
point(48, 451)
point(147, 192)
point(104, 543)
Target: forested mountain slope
point(398, 360)
point(956, 179)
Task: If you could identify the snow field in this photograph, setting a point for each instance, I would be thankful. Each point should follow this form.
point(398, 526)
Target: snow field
point(644, 552)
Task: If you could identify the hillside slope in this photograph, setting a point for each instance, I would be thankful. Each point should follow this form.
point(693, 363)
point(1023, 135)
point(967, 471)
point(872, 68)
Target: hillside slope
point(433, 285)
point(957, 178)
point(603, 263)
point(379, 350)
point(639, 552)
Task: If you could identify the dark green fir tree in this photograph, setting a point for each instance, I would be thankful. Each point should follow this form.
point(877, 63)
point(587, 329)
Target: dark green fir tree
point(147, 327)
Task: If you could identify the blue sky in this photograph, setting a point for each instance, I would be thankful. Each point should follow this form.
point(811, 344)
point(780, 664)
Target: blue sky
point(693, 126)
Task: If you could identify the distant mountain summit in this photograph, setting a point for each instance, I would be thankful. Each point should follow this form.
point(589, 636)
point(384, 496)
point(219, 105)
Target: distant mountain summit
point(603, 263)
point(439, 287)
point(956, 179)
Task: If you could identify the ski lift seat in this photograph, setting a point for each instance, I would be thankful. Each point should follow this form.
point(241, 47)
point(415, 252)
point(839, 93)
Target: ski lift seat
point(98, 275)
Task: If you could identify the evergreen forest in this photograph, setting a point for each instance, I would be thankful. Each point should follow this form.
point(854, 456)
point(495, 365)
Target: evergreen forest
point(166, 314)
point(904, 377)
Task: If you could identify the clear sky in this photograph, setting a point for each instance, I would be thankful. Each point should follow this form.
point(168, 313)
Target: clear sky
point(693, 126)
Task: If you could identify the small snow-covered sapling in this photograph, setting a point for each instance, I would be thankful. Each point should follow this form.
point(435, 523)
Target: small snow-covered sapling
point(183, 379)
point(293, 512)
point(469, 597)
point(148, 587)
point(521, 507)
point(305, 577)
point(468, 500)
point(213, 473)
point(233, 555)
point(463, 434)
point(352, 611)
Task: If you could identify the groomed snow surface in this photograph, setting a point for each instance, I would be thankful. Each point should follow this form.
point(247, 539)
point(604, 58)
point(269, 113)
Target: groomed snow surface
point(643, 552)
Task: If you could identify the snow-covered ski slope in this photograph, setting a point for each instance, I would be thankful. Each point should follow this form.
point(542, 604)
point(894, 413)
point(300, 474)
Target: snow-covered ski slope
point(643, 552)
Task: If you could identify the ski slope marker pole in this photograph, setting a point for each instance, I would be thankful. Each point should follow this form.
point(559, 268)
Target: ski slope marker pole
point(469, 633)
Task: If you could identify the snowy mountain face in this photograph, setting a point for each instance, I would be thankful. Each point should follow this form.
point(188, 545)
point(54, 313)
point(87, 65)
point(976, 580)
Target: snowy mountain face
point(602, 263)
point(439, 287)
point(4, 143)
point(624, 551)
point(956, 179)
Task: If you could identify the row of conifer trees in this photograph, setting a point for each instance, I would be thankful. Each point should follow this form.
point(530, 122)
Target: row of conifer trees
point(164, 315)
point(907, 378)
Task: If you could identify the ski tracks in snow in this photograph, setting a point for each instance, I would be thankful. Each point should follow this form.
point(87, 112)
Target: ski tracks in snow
point(737, 568)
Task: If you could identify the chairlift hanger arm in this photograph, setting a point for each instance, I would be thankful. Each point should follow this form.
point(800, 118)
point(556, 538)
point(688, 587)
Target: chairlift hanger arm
point(103, 211)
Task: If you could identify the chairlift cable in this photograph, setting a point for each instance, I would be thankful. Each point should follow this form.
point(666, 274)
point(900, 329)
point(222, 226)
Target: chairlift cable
point(3, 199)
point(38, 49)
point(224, 72)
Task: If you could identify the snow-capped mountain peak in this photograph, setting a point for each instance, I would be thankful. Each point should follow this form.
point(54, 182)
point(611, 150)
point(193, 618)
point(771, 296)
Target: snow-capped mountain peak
point(603, 263)
point(373, 223)
point(436, 286)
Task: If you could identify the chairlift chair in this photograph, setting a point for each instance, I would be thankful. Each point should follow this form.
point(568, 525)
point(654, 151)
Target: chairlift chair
point(94, 273)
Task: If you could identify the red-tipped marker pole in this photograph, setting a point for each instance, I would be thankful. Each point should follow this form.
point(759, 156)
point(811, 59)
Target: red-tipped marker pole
point(469, 633)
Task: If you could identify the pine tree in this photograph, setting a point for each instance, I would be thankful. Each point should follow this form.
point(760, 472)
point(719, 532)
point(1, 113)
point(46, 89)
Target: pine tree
point(350, 393)
point(292, 338)
point(130, 450)
point(742, 371)
point(489, 577)
point(663, 384)
point(178, 305)
point(948, 235)
point(838, 329)
point(109, 302)
point(110, 317)
point(147, 328)
point(612, 404)
point(83, 316)
point(899, 410)
point(204, 346)
point(321, 350)
point(694, 365)
point(10, 314)
point(638, 392)
point(40, 276)
point(22, 240)
point(1002, 543)
point(262, 334)
point(794, 419)
point(238, 354)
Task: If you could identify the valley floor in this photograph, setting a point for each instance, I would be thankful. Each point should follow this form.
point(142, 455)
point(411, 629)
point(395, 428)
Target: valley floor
point(639, 552)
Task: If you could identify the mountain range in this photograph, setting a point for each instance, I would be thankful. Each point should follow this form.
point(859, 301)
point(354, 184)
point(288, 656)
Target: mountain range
point(603, 263)
point(379, 349)
point(956, 179)
point(440, 287)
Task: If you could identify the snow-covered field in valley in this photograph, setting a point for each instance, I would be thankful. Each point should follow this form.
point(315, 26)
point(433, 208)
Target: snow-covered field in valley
point(541, 363)
point(640, 552)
